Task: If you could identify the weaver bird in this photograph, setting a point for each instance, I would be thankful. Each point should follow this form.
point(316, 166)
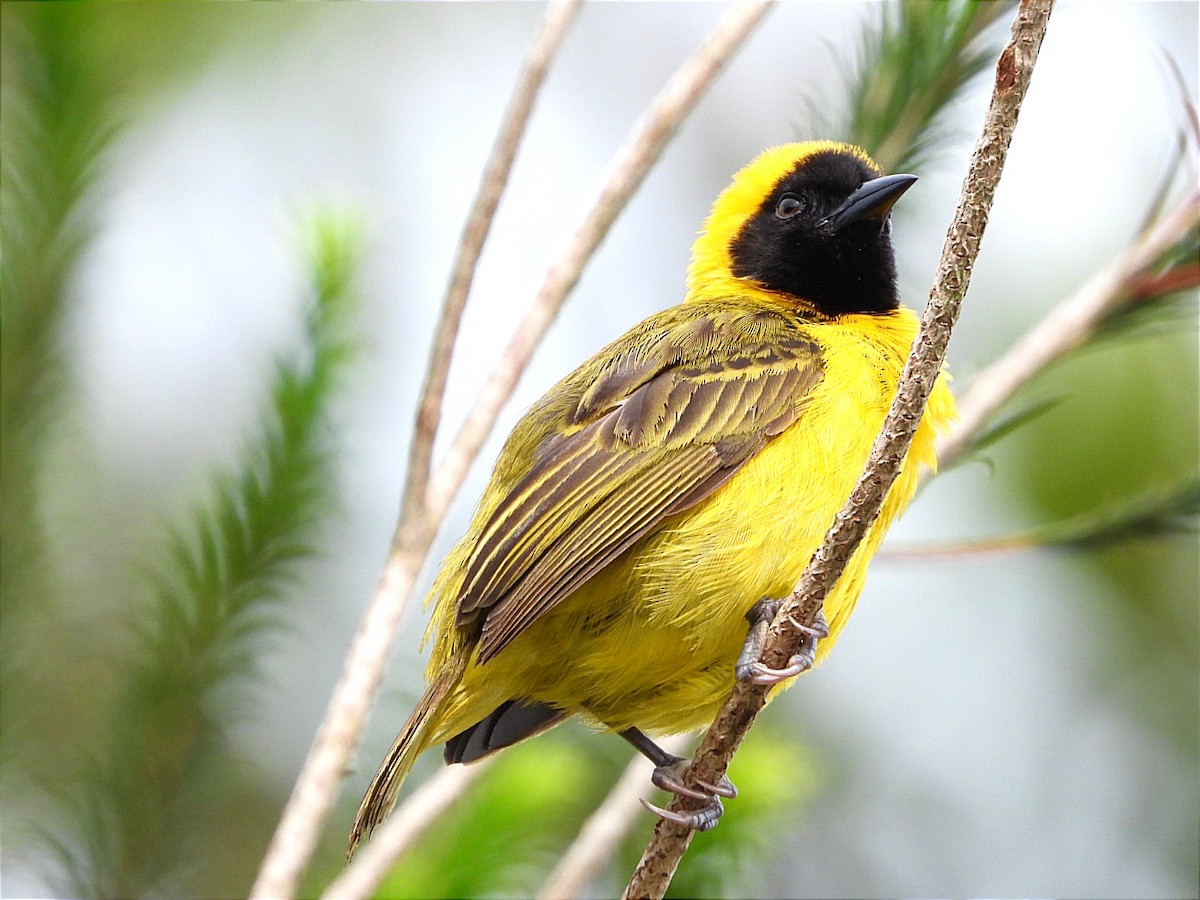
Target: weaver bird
point(677, 483)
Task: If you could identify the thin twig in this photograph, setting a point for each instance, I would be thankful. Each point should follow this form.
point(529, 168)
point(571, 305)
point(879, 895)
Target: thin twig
point(402, 829)
point(1013, 72)
point(1068, 326)
point(475, 232)
point(315, 789)
point(627, 169)
point(604, 830)
point(296, 834)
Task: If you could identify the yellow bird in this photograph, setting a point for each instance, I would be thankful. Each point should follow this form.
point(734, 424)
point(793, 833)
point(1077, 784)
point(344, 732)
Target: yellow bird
point(675, 484)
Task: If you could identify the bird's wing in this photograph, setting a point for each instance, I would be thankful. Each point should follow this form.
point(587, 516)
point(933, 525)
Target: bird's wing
point(665, 424)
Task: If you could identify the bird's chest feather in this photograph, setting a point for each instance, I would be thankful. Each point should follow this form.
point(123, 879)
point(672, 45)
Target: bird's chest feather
point(753, 538)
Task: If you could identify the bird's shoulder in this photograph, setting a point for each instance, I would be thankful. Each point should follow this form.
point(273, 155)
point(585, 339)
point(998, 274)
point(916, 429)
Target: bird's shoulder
point(671, 378)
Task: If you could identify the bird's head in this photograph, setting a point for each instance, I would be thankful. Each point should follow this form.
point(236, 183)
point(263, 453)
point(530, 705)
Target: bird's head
point(809, 222)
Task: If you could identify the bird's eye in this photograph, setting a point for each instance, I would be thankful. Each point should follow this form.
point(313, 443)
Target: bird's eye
point(789, 206)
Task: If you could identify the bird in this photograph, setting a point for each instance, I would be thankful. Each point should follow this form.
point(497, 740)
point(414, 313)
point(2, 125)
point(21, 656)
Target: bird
point(645, 516)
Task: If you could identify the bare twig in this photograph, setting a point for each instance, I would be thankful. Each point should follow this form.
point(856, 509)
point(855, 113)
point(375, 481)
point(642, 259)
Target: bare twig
point(602, 833)
point(402, 829)
point(479, 223)
point(1068, 326)
point(627, 169)
point(1013, 72)
point(314, 792)
point(296, 835)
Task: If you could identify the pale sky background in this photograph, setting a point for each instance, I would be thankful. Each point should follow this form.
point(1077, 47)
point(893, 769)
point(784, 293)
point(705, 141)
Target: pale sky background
point(974, 752)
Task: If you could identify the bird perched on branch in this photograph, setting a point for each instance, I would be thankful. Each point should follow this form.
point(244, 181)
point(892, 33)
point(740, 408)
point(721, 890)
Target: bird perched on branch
point(676, 484)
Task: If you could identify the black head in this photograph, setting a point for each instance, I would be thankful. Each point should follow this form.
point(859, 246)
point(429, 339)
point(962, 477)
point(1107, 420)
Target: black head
point(823, 234)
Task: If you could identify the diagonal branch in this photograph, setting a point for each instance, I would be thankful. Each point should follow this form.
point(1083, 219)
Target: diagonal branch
point(296, 835)
point(1068, 326)
point(402, 829)
point(475, 232)
point(315, 789)
point(627, 170)
point(1013, 72)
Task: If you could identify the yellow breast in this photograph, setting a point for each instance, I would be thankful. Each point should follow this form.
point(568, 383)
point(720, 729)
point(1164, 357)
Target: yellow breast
point(651, 640)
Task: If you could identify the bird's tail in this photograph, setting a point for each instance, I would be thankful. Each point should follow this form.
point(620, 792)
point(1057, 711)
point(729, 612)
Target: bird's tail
point(412, 740)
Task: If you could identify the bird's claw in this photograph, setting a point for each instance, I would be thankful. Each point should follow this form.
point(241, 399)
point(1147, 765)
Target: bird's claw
point(749, 668)
point(669, 777)
point(761, 674)
point(697, 820)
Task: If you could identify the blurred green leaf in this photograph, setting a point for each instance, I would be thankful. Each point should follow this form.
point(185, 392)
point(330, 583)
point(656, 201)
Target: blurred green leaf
point(501, 840)
point(1003, 426)
point(1134, 421)
point(59, 119)
point(910, 68)
point(148, 788)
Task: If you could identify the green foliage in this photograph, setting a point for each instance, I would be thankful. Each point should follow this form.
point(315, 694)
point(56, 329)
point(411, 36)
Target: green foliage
point(1162, 302)
point(222, 578)
point(910, 68)
point(502, 839)
point(1004, 425)
point(1152, 514)
point(59, 119)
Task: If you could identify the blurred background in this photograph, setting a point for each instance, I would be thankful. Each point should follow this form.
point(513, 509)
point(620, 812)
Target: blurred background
point(185, 184)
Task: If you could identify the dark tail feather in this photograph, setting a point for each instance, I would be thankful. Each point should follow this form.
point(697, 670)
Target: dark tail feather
point(508, 723)
point(409, 744)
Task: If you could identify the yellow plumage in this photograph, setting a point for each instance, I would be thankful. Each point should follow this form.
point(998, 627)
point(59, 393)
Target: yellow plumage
point(684, 472)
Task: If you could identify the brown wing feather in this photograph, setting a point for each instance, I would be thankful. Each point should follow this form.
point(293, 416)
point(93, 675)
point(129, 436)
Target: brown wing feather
point(677, 414)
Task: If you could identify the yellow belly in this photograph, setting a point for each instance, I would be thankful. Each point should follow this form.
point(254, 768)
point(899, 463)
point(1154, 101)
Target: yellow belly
point(652, 639)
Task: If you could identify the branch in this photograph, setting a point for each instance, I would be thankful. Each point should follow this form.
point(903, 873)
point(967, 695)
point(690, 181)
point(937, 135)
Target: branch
point(408, 823)
point(627, 170)
point(1151, 514)
point(296, 835)
point(475, 232)
point(602, 833)
point(1013, 72)
point(1068, 326)
point(314, 792)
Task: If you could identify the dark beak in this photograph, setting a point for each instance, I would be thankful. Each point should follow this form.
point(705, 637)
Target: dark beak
point(873, 201)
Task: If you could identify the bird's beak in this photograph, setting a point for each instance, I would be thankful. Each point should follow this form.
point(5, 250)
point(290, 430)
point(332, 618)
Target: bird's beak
point(873, 200)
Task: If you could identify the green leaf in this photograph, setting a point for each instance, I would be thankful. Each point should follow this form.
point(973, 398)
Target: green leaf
point(218, 589)
point(910, 68)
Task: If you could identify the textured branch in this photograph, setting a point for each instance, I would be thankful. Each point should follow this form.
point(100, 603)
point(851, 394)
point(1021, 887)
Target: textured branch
point(1013, 72)
point(475, 232)
point(402, 829)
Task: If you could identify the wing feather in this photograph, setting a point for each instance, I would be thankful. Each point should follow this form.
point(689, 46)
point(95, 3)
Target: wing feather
point(673, 417)
point(579, 553)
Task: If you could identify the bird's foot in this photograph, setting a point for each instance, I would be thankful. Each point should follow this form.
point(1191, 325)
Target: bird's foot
point(669, 777)
point(696, 820)
point(749, 668)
